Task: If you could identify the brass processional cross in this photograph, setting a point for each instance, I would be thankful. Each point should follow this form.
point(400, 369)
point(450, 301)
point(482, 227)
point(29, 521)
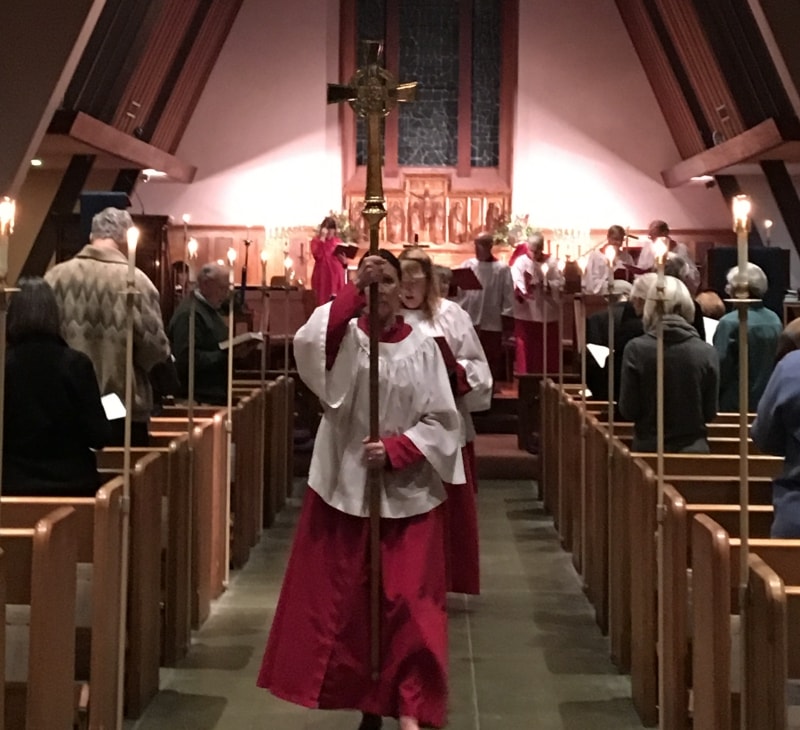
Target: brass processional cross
point(373, 92)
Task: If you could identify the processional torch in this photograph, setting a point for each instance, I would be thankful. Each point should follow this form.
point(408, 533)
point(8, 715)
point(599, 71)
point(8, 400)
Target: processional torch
point(660, 249)
point(611, 255)
point(229, 415)
point(131, 295)
point(373, 92)
point(7, 214)
point(742, 302)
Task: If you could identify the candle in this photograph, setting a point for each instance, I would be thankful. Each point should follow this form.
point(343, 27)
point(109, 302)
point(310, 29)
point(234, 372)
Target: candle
point(191, 255)
point(768, 227)
point(264, 256)
point(231, 260)
point(133, 239)
point(7, 213)
point(610, 253)
point(660, 248)
point(741, 224)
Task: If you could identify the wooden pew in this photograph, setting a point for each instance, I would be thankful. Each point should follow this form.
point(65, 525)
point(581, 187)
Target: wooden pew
point(99, 543)
point(149, 474)
point(41, 573)
point(715, 561)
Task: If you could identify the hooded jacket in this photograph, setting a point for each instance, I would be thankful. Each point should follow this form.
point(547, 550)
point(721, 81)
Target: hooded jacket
point(691, 381)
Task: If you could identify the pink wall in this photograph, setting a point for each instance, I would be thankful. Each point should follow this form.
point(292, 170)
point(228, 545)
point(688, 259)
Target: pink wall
point(590, 138)
point(265, 143)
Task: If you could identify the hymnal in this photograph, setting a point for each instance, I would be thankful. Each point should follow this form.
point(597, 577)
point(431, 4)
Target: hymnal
point(465, 279)
point(242, 338)
point(349, 250)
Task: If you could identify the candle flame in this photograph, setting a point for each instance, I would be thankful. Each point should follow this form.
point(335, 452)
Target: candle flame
point(582, 263)
point(192, 247)
point(610, 253)
point(185, 218)
point(660, 248)
point(288, 263)
point(768, 224)
point(231, 255)
point(562, 264)
point(545, 267)
point(264, 255)
point(133, 238)
point(741, 212)
point(7, 212)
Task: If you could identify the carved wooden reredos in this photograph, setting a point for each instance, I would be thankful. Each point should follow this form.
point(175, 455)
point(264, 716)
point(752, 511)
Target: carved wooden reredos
point(425, 208)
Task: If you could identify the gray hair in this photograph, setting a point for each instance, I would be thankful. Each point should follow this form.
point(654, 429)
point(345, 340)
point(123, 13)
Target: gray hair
point(211, 270)
point(757, 283)
point(111, 223)
point(682, 269)
point(677, 300)
point(642, 284)
point(33, 310)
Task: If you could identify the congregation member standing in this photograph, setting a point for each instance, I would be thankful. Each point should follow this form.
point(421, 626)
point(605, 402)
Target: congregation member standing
point(537, 298)
point(775, 432)
point(330, 264)
point(471, 382)
point(491, 307)
point(595, 274)
point(90, 291)
point(763, 330)
point(210, 361)
point(53, 416)
point(691, 376)
point(318, 652)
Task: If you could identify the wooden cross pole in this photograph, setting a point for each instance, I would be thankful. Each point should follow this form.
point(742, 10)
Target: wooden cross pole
point(373, 92)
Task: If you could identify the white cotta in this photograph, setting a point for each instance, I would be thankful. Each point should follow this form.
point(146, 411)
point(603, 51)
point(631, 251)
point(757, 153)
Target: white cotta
point(538, 306)
point(454, 324)
point(487, 306)
point(414, 400)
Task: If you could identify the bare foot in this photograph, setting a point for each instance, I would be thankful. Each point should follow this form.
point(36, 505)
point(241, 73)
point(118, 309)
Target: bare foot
point(408, 723)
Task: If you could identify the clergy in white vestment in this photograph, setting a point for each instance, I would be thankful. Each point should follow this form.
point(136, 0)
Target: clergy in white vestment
point(537, 287)
point(659, 229)
point(595, 273)
point(318, 652)
point(471, 383)
point(491, 307)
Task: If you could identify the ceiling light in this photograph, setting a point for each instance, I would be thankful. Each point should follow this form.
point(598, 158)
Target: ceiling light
point(152, 174)
point(36, 162)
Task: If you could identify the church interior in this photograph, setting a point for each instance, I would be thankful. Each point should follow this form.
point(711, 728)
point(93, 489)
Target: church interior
point(213, 124)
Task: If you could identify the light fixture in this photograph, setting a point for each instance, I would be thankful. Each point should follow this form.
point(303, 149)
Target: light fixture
point(36, 162)
point(151, 173)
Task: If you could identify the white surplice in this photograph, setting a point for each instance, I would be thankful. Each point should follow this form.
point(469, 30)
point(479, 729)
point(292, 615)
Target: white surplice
point(414, 400)
point(486, 307)
point(454, 324)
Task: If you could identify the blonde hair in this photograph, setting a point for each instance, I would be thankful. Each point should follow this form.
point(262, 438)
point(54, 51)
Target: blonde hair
point(416, 260)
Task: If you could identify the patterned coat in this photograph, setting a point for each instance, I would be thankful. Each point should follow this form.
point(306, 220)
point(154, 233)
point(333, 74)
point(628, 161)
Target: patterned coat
point(90, 293)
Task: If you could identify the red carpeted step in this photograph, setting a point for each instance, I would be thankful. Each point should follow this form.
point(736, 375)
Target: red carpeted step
point(499, 457)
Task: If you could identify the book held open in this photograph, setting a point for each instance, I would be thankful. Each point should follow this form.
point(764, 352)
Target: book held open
point(241, 339)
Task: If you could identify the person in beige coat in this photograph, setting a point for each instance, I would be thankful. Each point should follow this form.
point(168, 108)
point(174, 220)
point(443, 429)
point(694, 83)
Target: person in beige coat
point(89, 289)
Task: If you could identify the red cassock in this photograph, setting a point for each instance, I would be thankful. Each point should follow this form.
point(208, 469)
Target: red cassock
point(327, 279)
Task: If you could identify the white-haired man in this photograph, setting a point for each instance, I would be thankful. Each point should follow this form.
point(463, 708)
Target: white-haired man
point(89, 289)
point(763, 329)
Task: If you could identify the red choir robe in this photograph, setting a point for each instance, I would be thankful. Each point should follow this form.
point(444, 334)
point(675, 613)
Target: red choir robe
point(318, 652)
point(328, 277)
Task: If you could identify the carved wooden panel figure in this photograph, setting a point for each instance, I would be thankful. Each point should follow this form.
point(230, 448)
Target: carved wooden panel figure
point(458, 223)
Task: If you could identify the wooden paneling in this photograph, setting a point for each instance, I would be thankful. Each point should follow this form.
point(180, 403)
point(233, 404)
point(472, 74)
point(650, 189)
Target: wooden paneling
point(464, 164)
point(701, 66)
point(508, 87)
point(677, 113)
point(189, 84)
point(154, 65)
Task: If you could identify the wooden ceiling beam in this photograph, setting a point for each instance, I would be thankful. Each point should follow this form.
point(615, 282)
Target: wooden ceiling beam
point(103, 139)
point(765, 141)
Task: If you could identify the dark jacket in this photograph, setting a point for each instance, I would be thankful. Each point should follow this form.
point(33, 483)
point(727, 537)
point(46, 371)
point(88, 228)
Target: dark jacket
point(53, 417)
point(211, 363)
point(627, 325)
point(691, 380)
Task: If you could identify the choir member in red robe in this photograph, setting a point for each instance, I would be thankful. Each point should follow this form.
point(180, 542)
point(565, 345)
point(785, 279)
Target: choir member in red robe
point(330, 264)
point(318, 652)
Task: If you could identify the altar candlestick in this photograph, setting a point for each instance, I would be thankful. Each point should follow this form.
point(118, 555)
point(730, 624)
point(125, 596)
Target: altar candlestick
point(133, 239)
point(7, 213)
point(264, 257)
point(191, 255)
point(231, 261)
